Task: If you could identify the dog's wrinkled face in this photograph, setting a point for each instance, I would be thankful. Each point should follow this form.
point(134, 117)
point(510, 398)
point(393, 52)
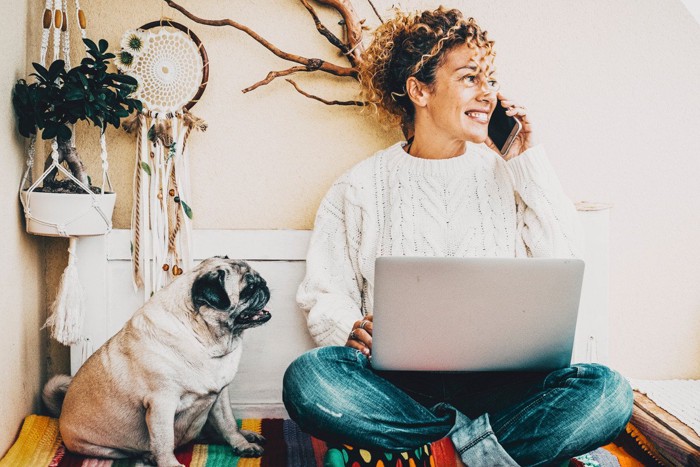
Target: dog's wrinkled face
point(230, 293)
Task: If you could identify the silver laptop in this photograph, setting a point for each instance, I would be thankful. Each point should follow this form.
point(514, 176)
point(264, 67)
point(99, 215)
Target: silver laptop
point(475, 314)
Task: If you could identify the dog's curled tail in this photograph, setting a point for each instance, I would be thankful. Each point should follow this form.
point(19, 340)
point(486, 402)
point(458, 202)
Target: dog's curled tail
point(54, 392)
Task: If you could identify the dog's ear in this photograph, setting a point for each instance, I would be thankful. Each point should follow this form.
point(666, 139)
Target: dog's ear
point(209, 289)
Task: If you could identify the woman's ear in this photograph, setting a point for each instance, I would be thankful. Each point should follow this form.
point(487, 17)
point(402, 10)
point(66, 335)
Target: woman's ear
point(417, 91)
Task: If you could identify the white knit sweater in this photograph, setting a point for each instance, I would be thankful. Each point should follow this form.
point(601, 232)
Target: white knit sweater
point(473, 205)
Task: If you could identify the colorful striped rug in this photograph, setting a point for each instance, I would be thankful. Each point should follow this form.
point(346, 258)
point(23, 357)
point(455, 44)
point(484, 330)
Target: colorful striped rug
point(39, 445)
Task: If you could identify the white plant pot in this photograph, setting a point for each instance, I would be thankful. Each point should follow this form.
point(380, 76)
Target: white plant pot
point(67, 214)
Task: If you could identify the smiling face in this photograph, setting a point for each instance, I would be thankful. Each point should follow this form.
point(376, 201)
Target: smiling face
point(457, 106)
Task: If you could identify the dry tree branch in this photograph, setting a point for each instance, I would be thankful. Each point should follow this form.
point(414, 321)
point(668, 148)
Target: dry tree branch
point(351, 48)
point(276, 74)
point(332, 38)
point(353, 26)
point(320, 99)
point(314, 63)
point(375, 11)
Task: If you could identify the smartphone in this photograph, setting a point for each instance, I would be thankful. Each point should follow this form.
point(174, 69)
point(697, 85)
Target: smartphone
point(503, 129)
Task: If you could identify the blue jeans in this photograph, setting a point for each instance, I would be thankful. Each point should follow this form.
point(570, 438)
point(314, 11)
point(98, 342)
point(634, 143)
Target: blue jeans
point(493, 419)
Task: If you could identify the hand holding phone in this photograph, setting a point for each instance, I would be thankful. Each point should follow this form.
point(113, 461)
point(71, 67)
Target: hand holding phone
point(503, 129)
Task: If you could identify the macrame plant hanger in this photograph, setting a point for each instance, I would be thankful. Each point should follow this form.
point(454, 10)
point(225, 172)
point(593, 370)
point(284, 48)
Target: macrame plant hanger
point(171, 66)
point(67, 311)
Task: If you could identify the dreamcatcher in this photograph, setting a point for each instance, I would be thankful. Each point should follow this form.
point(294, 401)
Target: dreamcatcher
point(171, 67)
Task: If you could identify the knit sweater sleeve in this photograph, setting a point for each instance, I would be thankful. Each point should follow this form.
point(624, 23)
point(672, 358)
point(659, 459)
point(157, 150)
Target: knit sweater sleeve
point(547, 221)
point(330, 293)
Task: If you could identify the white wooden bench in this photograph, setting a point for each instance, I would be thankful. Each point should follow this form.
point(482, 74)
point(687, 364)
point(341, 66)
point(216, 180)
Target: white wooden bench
point(105, 271)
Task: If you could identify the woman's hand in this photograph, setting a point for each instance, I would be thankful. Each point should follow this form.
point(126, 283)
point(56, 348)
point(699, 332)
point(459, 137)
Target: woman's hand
point(360, 337)
point(525, 139)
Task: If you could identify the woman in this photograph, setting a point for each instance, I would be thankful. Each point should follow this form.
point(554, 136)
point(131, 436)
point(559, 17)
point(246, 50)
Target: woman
point(446, 192)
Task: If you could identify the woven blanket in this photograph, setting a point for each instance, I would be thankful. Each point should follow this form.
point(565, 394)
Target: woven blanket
point(681, 398)
point(39, 445)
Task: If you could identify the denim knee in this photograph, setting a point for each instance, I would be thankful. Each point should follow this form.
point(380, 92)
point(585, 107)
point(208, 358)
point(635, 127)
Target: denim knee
point(610, 395)
point(619, 398)
point(296, 378)
point(313, 369)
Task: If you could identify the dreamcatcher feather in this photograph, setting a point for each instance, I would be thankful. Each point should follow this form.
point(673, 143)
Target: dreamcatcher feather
point(171, 67)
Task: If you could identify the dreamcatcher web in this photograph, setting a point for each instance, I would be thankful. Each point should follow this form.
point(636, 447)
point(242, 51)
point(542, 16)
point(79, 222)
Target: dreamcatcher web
point(169, 71)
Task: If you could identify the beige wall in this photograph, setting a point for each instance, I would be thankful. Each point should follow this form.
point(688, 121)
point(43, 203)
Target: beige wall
point(23, 345)
point(611, 86)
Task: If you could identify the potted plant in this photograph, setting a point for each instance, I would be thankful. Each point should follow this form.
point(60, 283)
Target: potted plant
point(51, 104)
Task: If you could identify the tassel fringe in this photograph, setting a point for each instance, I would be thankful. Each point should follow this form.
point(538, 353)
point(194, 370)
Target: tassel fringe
point(67, 310)
point(161, 214)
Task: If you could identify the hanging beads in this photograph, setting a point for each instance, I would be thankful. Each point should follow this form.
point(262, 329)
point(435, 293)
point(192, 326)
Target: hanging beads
point(46, 24)
point(57, 23)
point(82, 22)
point(47, 19)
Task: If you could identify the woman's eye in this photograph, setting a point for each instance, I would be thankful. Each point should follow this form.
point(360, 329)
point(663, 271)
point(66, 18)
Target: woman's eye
point(469, 79)
point(493, 83)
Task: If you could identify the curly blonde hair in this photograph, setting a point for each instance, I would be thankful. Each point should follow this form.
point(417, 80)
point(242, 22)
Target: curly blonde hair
point(412, 44)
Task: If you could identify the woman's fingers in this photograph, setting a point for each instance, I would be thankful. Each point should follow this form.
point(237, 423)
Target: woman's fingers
point(360, 337)
point(512, 107)
point(516, 111)
point(357, 345)
point(367, 325)
point(363, 336)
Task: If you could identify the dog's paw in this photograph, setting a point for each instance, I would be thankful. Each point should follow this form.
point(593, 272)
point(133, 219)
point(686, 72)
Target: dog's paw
point(248, 450)
point(253, 437)
point(150, 459)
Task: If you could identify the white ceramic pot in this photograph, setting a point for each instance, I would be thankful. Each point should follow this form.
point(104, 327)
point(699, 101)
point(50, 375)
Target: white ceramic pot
point(68, 214)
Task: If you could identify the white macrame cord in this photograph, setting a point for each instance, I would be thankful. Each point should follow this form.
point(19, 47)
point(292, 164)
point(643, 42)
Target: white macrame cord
point(67, 311)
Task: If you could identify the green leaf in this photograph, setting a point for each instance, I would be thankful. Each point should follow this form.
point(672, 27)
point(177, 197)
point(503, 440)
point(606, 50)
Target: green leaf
point(146, 168)
point(97, 121)
point(90, 44)
point(126, 79)
point(83, 80)
point(103, 46)
point(63, 133)
point(40, 70)
point(56, 69)
point(172, 150)
point(186, 208)
point(49, 132)
point(74, 94)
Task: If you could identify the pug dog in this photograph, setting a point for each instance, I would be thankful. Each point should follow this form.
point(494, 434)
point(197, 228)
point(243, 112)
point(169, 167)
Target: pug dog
point(164, 377)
